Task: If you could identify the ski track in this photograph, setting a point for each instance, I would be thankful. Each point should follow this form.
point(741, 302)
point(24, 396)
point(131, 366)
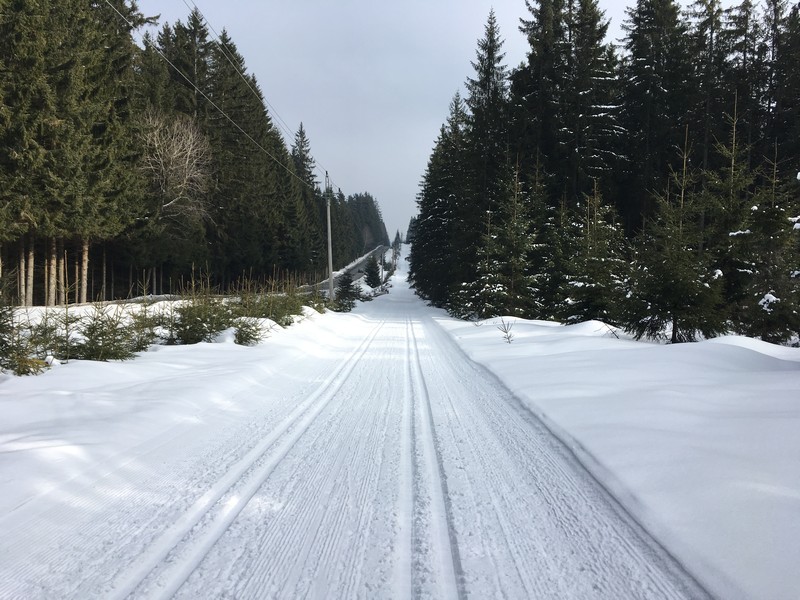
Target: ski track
point(408, 471)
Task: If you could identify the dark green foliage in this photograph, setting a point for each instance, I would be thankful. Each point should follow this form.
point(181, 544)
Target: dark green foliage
point(16, 353)
point(372, 272)
point(673, 284)
point(770, 304)
point(84, 172)
point(435, 260)
point(656, 85)
point(105, 334)
point(581, 121)
point(600, 269)
point(7, 334)
point(347, 293)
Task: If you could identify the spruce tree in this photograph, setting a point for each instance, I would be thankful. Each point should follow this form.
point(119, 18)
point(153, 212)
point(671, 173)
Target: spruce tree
point(435, 267)
point(27, 112)
point(785, 121)
point(487, 167)
point(486, 295)
point(728, 196)
point(372, 272)
point(237, 163)
point(536, 114)
point(600, 268)
point(742, 37)
point(770, 305)
point(710, 59)
point(656, 89)
point(311, 198)
point(514, 245)
point(673, 283)
point(588, 130)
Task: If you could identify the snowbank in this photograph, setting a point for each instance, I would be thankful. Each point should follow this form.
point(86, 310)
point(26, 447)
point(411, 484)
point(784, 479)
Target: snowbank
point(700, 442)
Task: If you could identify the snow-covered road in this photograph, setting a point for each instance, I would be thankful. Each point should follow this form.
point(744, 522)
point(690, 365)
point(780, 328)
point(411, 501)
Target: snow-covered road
point(379, 463)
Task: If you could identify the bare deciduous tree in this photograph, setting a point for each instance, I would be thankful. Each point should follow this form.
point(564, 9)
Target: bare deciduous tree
point(178, 161)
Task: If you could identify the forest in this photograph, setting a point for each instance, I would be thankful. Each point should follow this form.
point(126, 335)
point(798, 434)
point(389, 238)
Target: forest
point(652, 185)
point(133, 161)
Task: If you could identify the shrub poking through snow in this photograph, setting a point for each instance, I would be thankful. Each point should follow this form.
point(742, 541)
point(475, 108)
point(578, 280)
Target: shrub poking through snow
point(105, 334)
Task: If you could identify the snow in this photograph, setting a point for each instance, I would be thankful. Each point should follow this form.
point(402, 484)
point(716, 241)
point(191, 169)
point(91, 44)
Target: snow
point(362, 455)
point(767, 301)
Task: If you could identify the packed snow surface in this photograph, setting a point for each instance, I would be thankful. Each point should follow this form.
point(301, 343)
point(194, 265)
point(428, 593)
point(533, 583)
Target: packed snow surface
point(395, 452)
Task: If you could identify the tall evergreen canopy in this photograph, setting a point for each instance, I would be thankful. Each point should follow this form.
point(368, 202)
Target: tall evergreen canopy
point(140, 160)
point(688, 131)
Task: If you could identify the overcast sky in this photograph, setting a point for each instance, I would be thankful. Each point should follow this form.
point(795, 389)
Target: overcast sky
point(370, 80)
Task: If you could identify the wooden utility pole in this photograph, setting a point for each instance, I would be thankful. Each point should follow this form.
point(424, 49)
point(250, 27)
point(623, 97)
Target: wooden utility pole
point(330, 242)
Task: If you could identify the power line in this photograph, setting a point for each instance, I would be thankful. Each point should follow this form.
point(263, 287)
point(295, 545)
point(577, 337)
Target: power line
point(280, 121)
point(209, 100)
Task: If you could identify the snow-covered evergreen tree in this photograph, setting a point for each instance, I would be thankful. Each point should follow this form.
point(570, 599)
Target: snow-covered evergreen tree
point(600, 267)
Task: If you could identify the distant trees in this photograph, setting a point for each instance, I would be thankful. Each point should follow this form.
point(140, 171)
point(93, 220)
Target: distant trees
point(121, 172)
point(652, 186)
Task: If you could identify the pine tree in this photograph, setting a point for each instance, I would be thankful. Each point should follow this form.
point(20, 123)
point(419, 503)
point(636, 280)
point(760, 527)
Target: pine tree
point(311, 198)
point(486, 165)
point(673, 283)
point(435, 268)
point(600, 268)
point(535, 86)
point(656, 90)
point(372, 272)
point(514, 245)
point(770, 305)
point(588, 129)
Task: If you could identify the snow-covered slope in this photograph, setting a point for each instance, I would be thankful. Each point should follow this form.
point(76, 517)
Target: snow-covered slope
point(701, 442)
point(363, 455)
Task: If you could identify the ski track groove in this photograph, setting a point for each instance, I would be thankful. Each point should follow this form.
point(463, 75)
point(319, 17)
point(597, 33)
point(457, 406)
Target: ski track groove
point(140, 491)
point(404, 511)
point(220, 518)
point(318, 514)
point(440, 520)
point(492, 427)
point(430, 481)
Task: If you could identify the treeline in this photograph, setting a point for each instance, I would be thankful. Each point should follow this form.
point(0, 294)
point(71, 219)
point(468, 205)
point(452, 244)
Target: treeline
point(126, 169)
point(652, 185)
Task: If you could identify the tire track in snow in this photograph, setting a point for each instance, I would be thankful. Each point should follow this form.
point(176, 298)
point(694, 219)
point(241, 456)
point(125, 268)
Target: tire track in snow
point(430, 480)
point(196, 531)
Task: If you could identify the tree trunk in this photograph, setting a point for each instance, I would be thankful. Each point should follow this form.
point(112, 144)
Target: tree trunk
point(103, 289)
point(84, 287)
point(22, 293)
point(61, 269)
point(52, 273)
point(77, 279)
point(29, 275)
point(674, 339)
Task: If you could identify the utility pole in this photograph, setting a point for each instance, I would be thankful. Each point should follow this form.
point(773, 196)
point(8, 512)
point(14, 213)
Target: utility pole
point(330, 243)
